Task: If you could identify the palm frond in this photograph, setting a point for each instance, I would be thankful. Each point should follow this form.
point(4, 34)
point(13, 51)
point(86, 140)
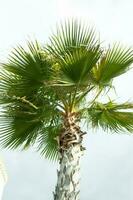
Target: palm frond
point(47, 143)
point(70, 35)
point(22, 122)
point(115, 61)
point(111, 116)
point(26, 68)
point(76, 50)
point(28, 62)
point(19, 131)
point(75, 67)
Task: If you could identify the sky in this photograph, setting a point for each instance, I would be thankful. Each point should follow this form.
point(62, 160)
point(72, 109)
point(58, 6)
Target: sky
point(107, 165)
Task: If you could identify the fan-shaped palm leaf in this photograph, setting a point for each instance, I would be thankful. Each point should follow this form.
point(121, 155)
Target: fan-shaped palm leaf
point(22, 122)
point(114, 62)
point(25, 69)
point(112, 116)
point(70, 35)
point(76, 50)
point(48, 142)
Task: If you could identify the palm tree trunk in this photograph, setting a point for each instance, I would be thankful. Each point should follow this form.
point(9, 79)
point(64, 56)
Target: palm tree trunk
point(68, 176)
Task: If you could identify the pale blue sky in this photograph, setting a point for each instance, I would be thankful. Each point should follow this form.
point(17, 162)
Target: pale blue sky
point(107, 165)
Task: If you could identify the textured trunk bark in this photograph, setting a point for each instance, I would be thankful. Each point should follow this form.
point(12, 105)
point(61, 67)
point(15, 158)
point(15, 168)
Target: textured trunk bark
point(70, 146)
point(69, 174)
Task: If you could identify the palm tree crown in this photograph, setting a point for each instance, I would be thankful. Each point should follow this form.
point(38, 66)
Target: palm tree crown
point(39, 85)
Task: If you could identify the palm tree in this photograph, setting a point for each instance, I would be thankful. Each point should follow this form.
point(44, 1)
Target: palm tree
point(46, 92)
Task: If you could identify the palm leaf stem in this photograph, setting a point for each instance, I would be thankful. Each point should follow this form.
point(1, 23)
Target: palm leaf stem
point(95, 98)
point(74, 97)
point(24, 100)
point(84, 94)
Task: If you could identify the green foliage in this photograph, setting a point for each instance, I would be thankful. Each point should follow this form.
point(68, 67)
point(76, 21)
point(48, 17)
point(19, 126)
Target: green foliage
point(114, 62)
point(27, 68)
point(70, 36)
point(24, 123)
point(111, 116)
point(40, 83)
point(75, 66)
point(76, 50)
point(47, 141)
point(28, 103)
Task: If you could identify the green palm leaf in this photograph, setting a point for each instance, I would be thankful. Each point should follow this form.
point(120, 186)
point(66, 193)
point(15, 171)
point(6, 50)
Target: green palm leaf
point(114, 62)
point(22, 123)
point(76, 50)
point(19, 130)
point(111, 116)
point(47, 142)
point(25, 69)
point(70, 35)
point(75, 66)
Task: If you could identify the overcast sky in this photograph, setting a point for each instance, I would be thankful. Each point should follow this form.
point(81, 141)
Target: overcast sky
point(107, 167)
